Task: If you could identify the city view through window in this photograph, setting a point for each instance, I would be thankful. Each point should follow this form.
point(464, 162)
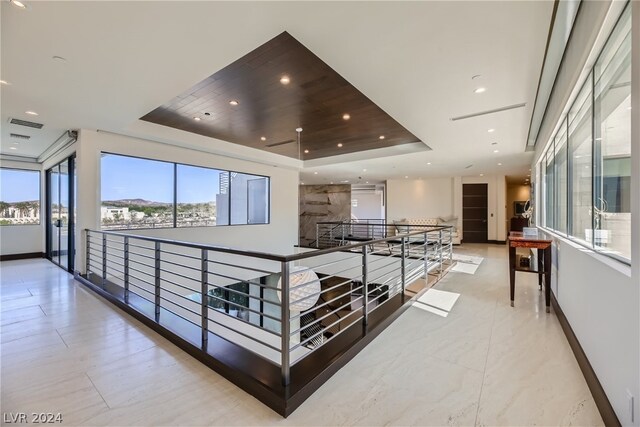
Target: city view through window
point(19, 197)
point(142, 193)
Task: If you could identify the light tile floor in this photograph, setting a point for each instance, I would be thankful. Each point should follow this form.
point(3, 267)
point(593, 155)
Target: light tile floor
point(66, 350)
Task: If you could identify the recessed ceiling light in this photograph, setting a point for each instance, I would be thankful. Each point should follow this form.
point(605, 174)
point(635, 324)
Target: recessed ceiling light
point(364, 170)
point(428, 163)
point(481, 174)
point(306, 151)
point(499, 164)
point(346, 116)
point(480, 90)
point(491, 130)
point(12, 148)
point(406, 176)
point(331, 182)
point(367, 182)
point(285, 80)
point(528, 175)
point(4, 82)
point(59, 58)
point(298, 130)
point(496, 151)
point(315, 173)
point(302, 183)
point(31, 113)
point(340, 144)
point(18, 4)
point(263, 138)
point(234, 102)
point(197, 119)
point(381, 137)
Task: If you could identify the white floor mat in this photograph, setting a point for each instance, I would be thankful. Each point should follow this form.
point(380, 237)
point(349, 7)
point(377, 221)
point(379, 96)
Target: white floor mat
point(437, 302)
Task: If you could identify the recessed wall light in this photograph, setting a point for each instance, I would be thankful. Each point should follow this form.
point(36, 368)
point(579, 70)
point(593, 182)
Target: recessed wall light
point(31, 113)
point(4, 82)
point(234, 102)
point(18, 4)
point(480, 90)
point(285, 80)
point(491, 130)
point(331, 182)
point(197, 119)
point(381, 137)
point(306, 151)
point(346, 116)
point(263, 138)
point(339, 144)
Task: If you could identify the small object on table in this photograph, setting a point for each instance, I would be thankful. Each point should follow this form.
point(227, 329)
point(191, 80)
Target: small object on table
point(522, 240)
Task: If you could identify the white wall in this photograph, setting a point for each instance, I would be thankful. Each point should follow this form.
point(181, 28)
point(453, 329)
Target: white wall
point(24, 239)
point(419, 198)
point(279, 236)
point(370, 204)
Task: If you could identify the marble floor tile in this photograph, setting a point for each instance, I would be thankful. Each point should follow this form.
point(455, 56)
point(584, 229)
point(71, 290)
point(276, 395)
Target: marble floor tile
point(65, 349)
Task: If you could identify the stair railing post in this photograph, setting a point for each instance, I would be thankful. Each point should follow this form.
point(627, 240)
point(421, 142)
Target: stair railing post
point(365, 289)
point(126, 269)
point(425, 254)
point(157, 277)
point(285, 318)
point(104, 260)
point(204, 291)
point(403, 273)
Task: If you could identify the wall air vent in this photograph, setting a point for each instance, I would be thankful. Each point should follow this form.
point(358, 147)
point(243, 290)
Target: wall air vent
point(18, 136)
point(26, 123)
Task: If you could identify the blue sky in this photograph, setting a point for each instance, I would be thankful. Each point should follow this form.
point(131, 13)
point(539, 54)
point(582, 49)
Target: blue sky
point(132, 178)
point(19, 185)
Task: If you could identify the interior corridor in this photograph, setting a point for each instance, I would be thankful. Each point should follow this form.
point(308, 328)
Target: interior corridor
point(66, 350)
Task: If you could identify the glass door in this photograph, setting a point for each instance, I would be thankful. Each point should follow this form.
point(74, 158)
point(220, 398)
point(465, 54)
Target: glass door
point(60, 214)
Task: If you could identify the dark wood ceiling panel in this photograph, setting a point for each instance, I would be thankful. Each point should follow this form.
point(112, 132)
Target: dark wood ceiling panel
point(315, 99)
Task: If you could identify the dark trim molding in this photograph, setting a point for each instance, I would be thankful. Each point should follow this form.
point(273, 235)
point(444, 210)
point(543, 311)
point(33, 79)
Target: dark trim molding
point(602, 401)
point(29, 255)
point(497, 242)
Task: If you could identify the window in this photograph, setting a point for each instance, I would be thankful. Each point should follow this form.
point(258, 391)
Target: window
point(143, 193)
point(197, 196)
point(586, 171)
point(136, 193)
point(612, 178)
point(19, 197)
point(580, 163)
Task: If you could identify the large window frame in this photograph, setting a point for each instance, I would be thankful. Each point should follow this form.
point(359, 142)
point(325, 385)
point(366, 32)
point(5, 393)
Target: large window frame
point(174, 202)
point(39, 223)
point(550, 186)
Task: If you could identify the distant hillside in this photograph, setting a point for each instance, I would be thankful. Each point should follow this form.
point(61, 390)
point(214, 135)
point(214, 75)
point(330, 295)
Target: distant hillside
point(133, 202)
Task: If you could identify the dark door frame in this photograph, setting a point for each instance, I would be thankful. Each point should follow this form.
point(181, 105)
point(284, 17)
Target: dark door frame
point(70, 221)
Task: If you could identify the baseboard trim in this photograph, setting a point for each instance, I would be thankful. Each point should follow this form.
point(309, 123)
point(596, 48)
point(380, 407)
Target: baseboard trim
point(496, 242)
point(599, 396)
point(29, 255)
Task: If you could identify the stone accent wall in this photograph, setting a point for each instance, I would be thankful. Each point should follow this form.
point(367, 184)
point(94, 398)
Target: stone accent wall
point(320, 203)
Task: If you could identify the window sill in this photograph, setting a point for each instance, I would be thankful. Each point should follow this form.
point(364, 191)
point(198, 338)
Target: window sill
point(618, 265)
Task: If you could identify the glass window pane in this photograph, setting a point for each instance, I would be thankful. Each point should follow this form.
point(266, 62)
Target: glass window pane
point(136, 193)
point(561, 178)
point(249, 199)
point(197, 196)
point(613, 142)
point(549, 188)
point(19, 197)
point(580, 140)
point(222, 199)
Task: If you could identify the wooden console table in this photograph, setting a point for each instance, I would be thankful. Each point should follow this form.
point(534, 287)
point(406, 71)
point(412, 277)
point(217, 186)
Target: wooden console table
point(518, 240)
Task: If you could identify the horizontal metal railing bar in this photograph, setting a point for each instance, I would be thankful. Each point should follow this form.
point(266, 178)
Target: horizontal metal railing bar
point(178, 305)
point(180, 275)
point(301, 343)
point(330, 301)
point(132, 276)
point(268, 316)
point(330, 263)
point(164, 289)
point(164, 251)
point(143, 272)
point(198, 269)
point(109, 267)
point(335, 274)
point(255, 254)
point(95, 252)
point(111, 261)
point(132, 253)
point(374, 279)
point(392, 266)
point(390, 248)
point(246, 335)
point(243, 267)
point(141, 288)
point(136, 262)
point(163, 279)
point(348, 280)
point(392, 278)
point(255, 297)
point(242, 281)
point(331, 313)
point(182, 317)
point(133, 245)
point(244, 321)
point(140, 295)
point(98, 260)
point(111, 254)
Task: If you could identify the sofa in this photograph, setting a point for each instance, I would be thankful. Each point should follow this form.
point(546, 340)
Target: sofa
point(404, 225)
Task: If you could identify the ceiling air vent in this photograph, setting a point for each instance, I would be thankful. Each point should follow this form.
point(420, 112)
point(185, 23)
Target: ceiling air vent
point(18, 136)
point(26, 123)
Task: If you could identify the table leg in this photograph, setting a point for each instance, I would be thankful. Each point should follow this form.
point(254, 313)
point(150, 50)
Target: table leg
point(547, 277)
point(540, 262)
point(512, 272)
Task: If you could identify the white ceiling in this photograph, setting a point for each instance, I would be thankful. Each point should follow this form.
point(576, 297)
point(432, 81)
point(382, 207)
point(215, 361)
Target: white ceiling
point(414, 59)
